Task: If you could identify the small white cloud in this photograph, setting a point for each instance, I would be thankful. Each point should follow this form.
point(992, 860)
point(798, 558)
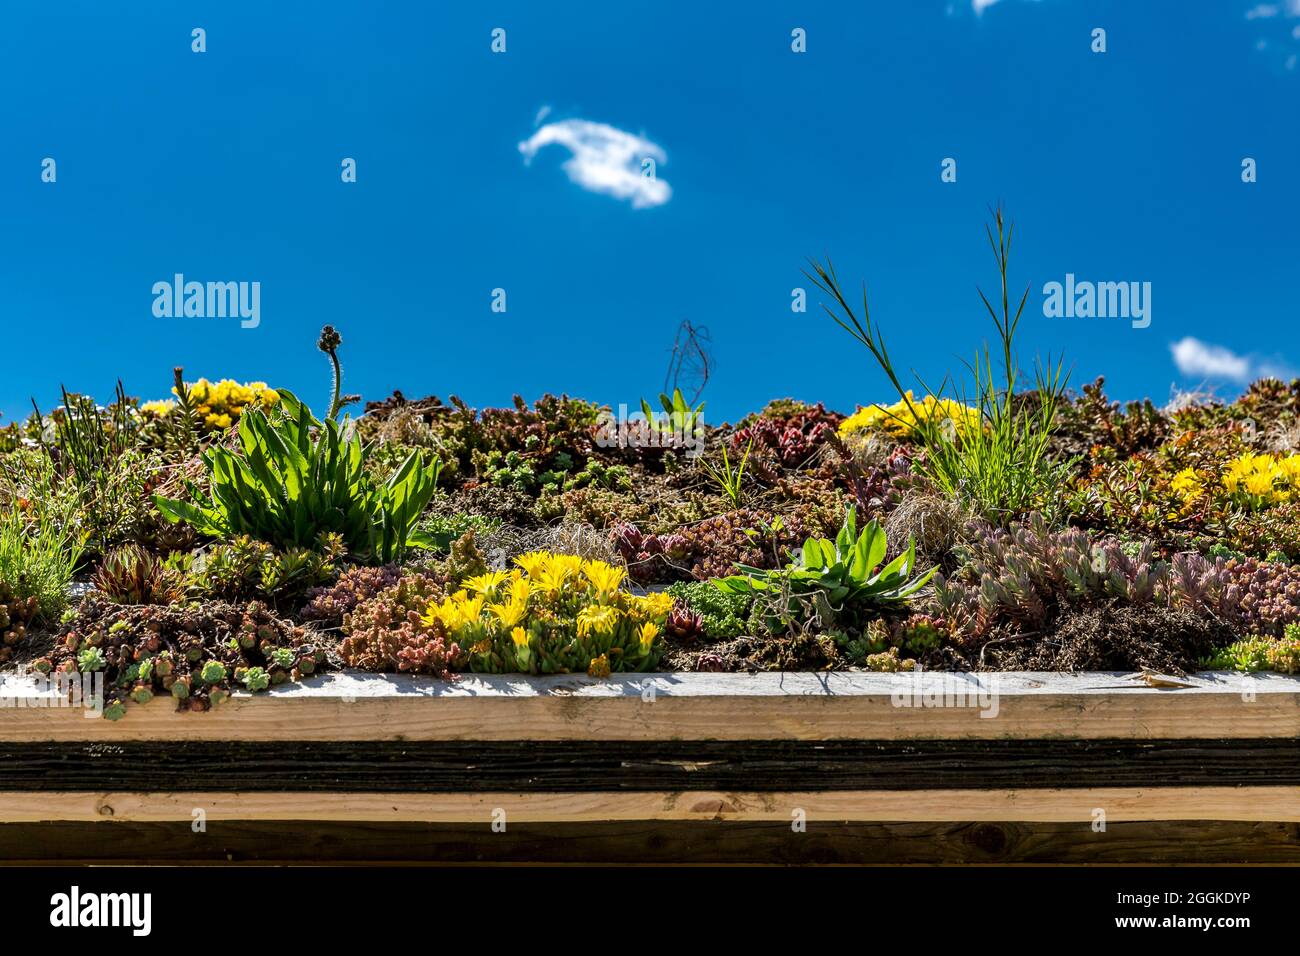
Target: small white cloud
point(979, 6)
point(1196, 358)
point(605, 160)
point(1263, 11)
point(544, 112)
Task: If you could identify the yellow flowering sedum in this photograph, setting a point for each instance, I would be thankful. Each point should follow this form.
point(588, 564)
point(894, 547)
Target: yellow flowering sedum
point(218, 405)
point(1256, 480)
point(1187, 484)
point(901, 420)
point(553, 613)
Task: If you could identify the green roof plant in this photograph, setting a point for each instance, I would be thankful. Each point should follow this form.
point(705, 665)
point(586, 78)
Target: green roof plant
point(846, 571)
point(295, 479)
point(1002, 467)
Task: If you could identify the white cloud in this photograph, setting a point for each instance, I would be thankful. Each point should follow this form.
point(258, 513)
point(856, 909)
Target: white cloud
point(605, 160)
point(979, 6)
point(1283, 32)
point(1196, 358)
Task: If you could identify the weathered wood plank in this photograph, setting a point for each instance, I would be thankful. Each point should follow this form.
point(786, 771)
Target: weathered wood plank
point(1244, 804)
point(541, 766)
point(711, 842)
point(838, 706)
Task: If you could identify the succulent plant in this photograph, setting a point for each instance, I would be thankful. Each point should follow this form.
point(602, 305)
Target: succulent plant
point(388, 633)
point(791, 431)
point(722, 616)
point(187, 651)
point(710, 663)
point(254, 678)
point(15, 615)
point(709, 548)
point(243, 568)
point(554, 436)
point(132, 575)
point(327, 605)
point(1260, 652)
point(552, 613)
point(683, 625)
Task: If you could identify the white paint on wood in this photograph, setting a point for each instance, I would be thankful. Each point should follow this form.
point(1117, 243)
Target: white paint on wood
point(802, 706)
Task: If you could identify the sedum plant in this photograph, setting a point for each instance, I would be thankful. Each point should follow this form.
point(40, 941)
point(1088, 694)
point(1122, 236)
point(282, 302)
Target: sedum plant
point(132, 575)
point(245, 568)
point(551, 614)
point(388, 632)
point(1260, 653)
point(295, 479)
point(209, 407)
point(195, 653)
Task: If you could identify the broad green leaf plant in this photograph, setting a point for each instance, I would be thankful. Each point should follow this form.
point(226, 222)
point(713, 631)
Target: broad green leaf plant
point(847, 571)
point(295, 479)
point(678, 416)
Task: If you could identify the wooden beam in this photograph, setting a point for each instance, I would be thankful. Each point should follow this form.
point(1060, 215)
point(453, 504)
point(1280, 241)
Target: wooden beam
point(774, 706)
point(277, 842)
point(1079, 806)
point(542, 766)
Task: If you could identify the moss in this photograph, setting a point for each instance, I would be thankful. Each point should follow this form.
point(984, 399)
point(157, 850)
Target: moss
point(723, 616)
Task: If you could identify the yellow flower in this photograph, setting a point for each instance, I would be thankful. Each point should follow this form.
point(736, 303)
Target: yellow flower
point(159, 408)
point(1290, 466)
point(558, 570)
point(220, 405)
point(485, 583)
point(648, 632)
point(468, 608)
point(1259, 483)
point(652, 606)
point(509, 614)
point(1187, 483)
point(905, 417)
point(570, 565)
point(456, 612)
point(599, 667)
point(597, 619)
point(519, 589)
point(605, 578)
point(523, 652)
point(533, 562)
point(447, 613)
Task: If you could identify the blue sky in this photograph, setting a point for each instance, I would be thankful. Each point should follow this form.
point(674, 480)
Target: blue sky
point(225, 166)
